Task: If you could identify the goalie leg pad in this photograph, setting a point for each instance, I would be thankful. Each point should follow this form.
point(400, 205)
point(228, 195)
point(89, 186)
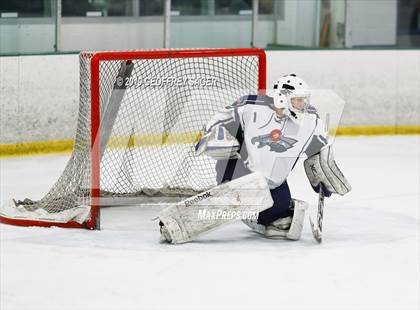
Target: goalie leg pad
point(296, 227)
point(190, 218)
point(322, 168)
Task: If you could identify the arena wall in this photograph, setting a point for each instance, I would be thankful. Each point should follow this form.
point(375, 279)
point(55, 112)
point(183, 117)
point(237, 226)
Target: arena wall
point(39, 93)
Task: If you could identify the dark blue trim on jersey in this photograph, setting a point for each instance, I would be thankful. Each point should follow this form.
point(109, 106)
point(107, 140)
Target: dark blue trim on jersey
point(304, 148)
point(239, 136)
point(223, 121)
point(253, 99)
point(220, 134)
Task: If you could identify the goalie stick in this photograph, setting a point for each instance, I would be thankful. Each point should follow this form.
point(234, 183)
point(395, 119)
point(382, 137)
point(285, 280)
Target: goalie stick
point(317, 230)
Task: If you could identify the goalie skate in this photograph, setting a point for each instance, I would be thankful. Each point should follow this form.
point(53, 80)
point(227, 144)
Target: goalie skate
point(289, 228)
point(188, 219)
point(283, 228)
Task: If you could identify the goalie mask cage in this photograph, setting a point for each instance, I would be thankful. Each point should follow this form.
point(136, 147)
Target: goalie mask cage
point(140, 115)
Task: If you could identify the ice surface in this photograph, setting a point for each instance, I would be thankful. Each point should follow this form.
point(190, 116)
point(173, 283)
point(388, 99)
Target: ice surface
point(369, 258)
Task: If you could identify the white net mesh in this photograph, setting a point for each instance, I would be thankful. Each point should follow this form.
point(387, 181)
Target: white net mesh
point(153, 112)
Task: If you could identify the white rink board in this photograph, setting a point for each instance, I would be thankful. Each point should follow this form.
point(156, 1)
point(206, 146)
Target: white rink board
point(369, 258)
point(380, 87)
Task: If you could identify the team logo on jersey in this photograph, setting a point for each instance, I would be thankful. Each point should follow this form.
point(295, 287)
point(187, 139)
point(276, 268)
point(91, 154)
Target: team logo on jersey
point(275, 140)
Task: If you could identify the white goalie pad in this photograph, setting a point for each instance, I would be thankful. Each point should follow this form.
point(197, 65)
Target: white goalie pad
point(296, 227)
point(239, 199)
point(322, 168)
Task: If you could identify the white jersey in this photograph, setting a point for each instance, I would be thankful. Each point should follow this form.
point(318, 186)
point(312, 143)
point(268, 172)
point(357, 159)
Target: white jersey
point(273, 144)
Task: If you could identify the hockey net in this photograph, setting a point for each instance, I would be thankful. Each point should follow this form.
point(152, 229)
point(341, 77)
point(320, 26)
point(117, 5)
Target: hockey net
point(140, 115)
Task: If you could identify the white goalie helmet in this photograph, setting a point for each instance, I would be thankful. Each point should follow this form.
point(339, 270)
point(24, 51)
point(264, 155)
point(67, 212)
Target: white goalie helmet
point(293, 94)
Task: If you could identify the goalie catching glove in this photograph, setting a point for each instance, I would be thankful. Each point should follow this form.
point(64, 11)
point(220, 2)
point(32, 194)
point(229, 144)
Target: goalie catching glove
point(321, 168)
point(218, 143)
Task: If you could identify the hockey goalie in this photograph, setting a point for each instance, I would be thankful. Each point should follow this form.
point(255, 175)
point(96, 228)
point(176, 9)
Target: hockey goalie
point(257, 141)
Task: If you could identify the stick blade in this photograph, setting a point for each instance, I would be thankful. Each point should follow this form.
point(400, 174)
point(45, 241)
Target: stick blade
point(316, 232)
